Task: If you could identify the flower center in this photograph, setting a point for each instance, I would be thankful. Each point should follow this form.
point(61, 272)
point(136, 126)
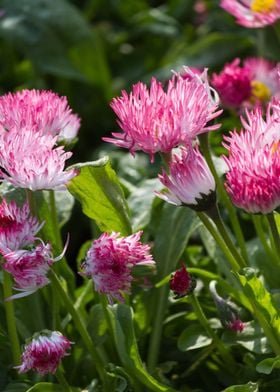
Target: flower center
point(275, 147)
point(6, 222)
point(263, 6)
point(260, 92)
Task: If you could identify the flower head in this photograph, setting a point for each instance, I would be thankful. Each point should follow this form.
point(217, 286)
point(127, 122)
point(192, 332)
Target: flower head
point(31, 160)
point(110, 260)
point(253, 177)
point(44, 352)
point(29, 268)
point(17, 226)
point(254, 82)
point(182, 283)
point(153, 120)
point(189, 182)
point(39, 110)
point(253, 13)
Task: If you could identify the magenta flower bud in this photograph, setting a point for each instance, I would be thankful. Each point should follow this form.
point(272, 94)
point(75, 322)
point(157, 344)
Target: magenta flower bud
point(110, 260)
point(44, 353)
point(227, 311)
point(182, 283)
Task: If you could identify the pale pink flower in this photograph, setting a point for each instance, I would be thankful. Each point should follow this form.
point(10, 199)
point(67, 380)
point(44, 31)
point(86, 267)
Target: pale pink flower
point(31, 160)
point(110, 260)
point(233, 84)
point(253, 177)
point(29, 268)
point(189, 182)
point(39, 110)
point(17, 226)
point(44, 353)
point(253, 13)
point(153, 120)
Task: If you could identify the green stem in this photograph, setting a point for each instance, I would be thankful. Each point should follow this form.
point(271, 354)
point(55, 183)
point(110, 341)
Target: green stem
point(97, 358)
point(62, 381)
point(10, 318)
point(205, 148)
point(55, 223)
point(257, 220)
point(275, 234)
point(229, 360)
point(155, 340)
point(216, 217)
point(219, 239)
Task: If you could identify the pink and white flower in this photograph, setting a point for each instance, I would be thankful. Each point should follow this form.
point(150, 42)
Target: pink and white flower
point(153, 120)
point(31, 160)
point(110, 260)
point(39, 110)
point(44, 353)
point(253, 177)
point(253, 13)
point(189, 182)
point(254, 82)
point(17, 226)
point(29, 268)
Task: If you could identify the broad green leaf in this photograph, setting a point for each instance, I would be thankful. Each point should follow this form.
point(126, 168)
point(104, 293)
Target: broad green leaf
point(252, 338)
point(193, 337)
point(99, 191)
point(49, 387)
point(175, 227)
point(122, 323)
point(249, 387)
point(268, 365)
point(16, 387)
point(265, 309)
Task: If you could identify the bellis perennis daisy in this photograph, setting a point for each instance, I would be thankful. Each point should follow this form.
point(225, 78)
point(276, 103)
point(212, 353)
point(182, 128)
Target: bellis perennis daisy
point(31, 160)
point(17, 226)
point(253, 13)
point(42, 111)
point(189, 182)
point(253, 177)
point(154, 120)
point(44, 352)
point(110, 260)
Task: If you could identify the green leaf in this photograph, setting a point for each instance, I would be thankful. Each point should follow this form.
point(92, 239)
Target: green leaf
point(267, 365)
point(176, 226)
point(16, 387)
point(99, 191)
point(193, 337)
point(49, 387)
point(121, 319)
point(249, 387)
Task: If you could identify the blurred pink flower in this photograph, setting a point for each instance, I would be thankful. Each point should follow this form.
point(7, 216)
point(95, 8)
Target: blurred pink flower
point(31, 160)
point(189, 182)
point(253, 177)
point(17, 226)
point(153, 120)
point(256, 81)
point(253, 13)
point(39, 110)
point(44, 352)
point(110, 260)
point(29, 268)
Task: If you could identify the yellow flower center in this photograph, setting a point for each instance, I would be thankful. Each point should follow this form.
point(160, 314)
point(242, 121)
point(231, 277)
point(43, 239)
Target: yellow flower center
point(263, 6)
point(275, 147)
point(260, 92)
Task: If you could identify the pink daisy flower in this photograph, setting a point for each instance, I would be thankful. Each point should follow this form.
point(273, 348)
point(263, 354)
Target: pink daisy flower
point(253, 177)
point(110, 260)
point(253, 13)
point(153, 120)
point(39, 110)
point(31, 160)
point(29, 268)
point(256, 81)
point(189, 182)
point(17, 226)
point(44, 353)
